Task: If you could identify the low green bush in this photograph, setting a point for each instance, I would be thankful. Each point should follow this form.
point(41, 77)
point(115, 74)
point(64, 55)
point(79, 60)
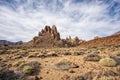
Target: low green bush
point(108, 62)
point(27, 70)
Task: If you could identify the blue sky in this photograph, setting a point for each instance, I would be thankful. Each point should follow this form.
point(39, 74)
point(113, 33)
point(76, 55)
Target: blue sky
point(23, 19)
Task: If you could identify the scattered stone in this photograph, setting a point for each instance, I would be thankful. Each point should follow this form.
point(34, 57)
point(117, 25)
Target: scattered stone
point(6, 74)
point(33, 78)
point(76, 53)
point(117, 53)
point(1, 58)
point(63, 64)
point(71, 71)
point(66, 53)
point(74, 65)
point(92, 57)
point(65, 77)
point(32, 67)
point(51, 54)
point(1, 51)
point(41, 55)
point(78, 78)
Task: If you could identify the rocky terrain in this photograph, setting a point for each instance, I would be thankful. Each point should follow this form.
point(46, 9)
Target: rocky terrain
point(47, 37)
point(8, 43)
point(102, 63)
point(103, 41)
point(117, 33)
point(50, 37)
point(48, 57)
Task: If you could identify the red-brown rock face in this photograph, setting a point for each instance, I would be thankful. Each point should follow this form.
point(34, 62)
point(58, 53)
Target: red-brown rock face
point(50, 37)
point(47, 37)
point(50, 32)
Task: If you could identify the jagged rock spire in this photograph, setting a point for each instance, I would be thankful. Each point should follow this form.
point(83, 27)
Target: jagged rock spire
point(54, 29)
point(47, 35)
point(47, 28)
point(50, 36)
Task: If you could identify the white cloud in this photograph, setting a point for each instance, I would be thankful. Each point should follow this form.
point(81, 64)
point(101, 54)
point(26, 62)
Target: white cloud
point(84, 20)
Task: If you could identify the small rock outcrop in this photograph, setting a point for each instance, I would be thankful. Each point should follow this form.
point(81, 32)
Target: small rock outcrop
point(96, 37)
point(72, 41)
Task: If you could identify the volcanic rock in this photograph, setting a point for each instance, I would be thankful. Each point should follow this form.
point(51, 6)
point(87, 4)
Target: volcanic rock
point(73, 41)
point(48, 37)
point(117, 33)
point(103, 41)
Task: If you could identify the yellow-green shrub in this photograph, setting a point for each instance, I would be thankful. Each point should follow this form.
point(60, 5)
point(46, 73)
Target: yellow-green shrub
point(108, 62)
point(27, 70)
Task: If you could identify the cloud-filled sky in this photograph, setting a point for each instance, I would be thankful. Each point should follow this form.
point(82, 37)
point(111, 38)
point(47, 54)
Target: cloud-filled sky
point(23, 19)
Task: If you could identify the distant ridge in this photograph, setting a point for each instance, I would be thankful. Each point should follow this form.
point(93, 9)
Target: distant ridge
point(103, 41)
point(117, 33)
point(50, 37)
point(9, 43)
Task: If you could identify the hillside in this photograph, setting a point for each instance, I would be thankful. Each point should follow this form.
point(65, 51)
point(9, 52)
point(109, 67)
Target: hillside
point(9, 43)
point(103, 41)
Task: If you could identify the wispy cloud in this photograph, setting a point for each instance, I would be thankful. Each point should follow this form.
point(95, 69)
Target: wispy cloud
point(22, 19)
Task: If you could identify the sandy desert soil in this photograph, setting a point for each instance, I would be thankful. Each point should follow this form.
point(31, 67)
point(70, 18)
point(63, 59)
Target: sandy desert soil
point(60, 63)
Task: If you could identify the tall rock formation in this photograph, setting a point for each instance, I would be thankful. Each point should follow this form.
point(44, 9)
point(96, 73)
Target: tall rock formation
point(49, 32)
point(50, 37)
point(47, 37)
